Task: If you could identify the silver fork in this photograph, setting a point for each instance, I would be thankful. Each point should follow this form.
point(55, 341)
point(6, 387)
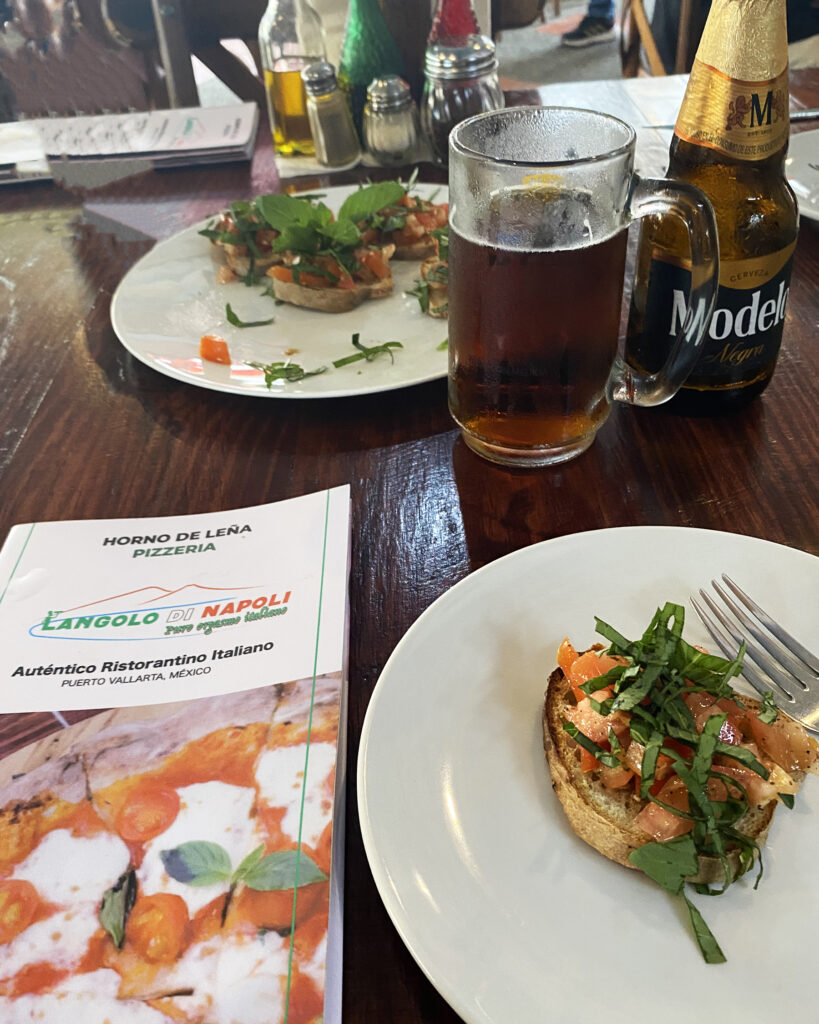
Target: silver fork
point(788, 668)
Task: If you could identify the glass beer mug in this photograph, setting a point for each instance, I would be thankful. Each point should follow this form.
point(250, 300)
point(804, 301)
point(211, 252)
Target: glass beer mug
point(540, 203)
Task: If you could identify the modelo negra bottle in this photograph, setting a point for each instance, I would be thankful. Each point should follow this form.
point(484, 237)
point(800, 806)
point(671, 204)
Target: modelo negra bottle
point(730, 139)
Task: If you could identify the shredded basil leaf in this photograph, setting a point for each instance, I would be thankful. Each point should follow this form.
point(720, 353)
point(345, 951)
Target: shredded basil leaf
point(769, 712)
point(233, 319)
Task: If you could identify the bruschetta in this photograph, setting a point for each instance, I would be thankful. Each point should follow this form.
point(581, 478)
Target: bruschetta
point(408, 224)
point(325, 283)
point(671, 766)
point(244, 243)
point(432, 290)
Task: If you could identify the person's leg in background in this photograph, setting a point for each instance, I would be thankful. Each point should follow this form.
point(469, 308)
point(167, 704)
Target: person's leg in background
point(597, 25)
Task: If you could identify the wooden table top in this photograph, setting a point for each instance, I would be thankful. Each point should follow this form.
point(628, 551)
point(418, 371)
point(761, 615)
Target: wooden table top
point(86, 431)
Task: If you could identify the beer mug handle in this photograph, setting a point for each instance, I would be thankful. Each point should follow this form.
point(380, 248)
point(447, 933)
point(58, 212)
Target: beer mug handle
point(663, 196)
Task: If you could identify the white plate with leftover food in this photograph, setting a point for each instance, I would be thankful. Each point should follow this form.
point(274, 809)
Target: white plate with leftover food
point(510, 915)
point(802, 169)
point(170, 298)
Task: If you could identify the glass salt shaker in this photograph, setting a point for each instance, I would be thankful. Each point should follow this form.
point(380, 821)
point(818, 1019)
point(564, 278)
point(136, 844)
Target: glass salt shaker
point(461, 79)
point(390, 124)
point(330, 117)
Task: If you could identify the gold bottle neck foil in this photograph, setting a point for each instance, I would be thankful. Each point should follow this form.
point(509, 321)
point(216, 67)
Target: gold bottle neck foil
point(737, 96)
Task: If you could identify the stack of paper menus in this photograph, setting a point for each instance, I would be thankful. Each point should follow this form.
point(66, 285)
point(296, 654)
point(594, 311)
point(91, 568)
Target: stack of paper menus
point(172, 766)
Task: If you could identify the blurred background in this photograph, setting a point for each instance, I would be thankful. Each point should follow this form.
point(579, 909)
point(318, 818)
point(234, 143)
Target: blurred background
point(92, 56)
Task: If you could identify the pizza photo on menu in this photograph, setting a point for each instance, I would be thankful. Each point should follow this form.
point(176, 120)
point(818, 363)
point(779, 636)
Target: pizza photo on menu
point(171, 864)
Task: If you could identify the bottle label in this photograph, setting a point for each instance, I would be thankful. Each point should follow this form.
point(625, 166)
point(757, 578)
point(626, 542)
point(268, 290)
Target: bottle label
point(745, 331)
point(746, 120)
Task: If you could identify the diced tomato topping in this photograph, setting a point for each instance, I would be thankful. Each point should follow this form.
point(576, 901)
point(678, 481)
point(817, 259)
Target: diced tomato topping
point(588, 762)
point(681, 748)
point(214, 349)
point(345, 278)
point(374, 261)
point(660, 823)
point(305, 277)
point(615, 778)
point(589, 666)
point(730, 732)
point(758, 789)
point(784, 741)
point(566, 656)
point(592, 724)
point(427, 220)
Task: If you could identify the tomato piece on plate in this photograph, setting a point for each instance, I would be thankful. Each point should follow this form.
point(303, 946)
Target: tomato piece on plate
point(214, 349)
point(149, 810)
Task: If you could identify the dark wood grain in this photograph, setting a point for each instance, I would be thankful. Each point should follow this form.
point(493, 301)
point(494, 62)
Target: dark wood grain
point(86, 431)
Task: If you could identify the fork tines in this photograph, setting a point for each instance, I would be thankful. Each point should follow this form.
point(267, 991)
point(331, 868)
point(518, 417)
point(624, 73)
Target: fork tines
point(787, 667)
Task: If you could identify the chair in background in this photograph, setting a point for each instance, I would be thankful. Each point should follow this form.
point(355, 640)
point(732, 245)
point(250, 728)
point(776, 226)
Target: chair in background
point(91, 56)
point(666, 43)
point(507, 14)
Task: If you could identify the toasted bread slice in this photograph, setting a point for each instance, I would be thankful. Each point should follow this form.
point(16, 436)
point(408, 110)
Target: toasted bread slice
point(419, 250)
point(237, 259)
point(331, 300)
point(605, 818)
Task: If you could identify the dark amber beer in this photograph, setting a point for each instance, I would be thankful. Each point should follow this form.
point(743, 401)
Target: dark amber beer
point(533, 336)
point(730, 140)
point(540, 202)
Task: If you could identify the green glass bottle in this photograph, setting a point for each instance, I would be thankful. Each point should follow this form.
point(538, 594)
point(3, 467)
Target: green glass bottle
point(367, 52)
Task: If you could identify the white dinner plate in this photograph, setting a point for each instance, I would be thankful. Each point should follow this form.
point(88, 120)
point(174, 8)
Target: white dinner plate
point(512, 917)
point(802, 169)
point(170, 298)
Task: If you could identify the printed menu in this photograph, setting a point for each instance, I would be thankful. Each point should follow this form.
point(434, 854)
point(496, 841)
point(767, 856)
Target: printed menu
point(172, 734)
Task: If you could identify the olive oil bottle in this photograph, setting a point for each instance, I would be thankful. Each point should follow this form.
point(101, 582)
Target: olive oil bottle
point(290, 39)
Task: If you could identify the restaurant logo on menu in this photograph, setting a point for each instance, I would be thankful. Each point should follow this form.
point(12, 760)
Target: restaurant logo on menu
point(152, 613)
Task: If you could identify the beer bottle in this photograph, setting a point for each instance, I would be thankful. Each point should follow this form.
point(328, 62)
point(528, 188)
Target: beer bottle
point(730, 139)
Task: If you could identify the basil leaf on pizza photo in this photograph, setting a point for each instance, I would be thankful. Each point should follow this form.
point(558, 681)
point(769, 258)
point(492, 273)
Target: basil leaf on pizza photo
point(284, 869)
point(117, 904)
point(198, 863)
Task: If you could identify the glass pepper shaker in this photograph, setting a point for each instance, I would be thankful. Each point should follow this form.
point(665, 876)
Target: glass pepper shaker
point(461, 79)
point(390, 124)
point(330, 117)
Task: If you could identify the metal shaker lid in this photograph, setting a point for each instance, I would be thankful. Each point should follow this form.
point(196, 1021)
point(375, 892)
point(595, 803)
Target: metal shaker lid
point(388, 93)
point(460, 57)
point(319, 78)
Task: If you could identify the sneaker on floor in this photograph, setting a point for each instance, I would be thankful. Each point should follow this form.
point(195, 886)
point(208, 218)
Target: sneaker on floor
point(589, 31)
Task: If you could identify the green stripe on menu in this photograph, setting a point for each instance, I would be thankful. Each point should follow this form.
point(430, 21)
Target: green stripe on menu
point(17, 563)
point(306, 759)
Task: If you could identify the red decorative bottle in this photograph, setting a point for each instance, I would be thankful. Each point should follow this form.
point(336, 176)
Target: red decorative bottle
point(453, 18)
